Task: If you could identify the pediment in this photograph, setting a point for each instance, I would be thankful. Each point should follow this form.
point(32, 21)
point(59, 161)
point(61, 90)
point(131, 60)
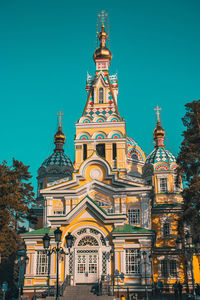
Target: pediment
point(99, 78)
point(88, 209)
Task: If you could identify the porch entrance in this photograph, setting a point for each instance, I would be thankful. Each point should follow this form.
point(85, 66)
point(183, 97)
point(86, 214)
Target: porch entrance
point(87, 260)
point(87, 266)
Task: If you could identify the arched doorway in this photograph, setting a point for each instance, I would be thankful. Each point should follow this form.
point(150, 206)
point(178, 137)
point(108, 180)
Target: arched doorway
point(89, 258)
point(87, 262)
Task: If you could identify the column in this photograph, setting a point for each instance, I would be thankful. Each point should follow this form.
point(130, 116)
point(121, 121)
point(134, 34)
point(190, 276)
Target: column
point(146, 210)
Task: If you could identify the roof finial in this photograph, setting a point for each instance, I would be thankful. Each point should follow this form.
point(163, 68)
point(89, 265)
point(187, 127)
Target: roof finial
point(101, 36)
point(158, 109)
point(60, 114)
point(159, 133)
point(59, 137)
point(103, 16)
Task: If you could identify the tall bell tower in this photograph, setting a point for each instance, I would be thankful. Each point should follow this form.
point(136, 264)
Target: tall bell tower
point(101, 128)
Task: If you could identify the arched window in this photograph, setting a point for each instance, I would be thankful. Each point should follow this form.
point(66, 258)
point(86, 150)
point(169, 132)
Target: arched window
point(100, 95)
point(88, 241)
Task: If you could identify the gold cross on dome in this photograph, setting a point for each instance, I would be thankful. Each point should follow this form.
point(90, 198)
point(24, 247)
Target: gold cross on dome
point(60, 114)
point(102, 16)
point(158, 109)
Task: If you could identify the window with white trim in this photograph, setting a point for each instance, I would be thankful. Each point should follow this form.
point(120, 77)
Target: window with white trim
point(42, 263)
point(168, 268)
point(163, 185)
point(132, 262)
point(166, 229)
point(134, 216)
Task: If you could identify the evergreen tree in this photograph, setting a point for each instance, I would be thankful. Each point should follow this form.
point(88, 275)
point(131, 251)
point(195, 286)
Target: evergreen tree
point(16, 201)
point(189, 167)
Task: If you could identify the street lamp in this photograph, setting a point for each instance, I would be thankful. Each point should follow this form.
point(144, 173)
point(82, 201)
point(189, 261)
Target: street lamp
point(144, 253)
point(152, 280)
point(112, 254)
point(46, 243)
point(188, 249)
point(21, 261)
point(69, 240)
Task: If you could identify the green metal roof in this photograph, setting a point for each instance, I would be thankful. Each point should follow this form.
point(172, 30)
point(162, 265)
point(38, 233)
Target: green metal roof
point(41, 231)
point(127, 228)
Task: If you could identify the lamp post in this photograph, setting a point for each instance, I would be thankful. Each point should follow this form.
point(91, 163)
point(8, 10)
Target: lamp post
point(144, 253)
point(46, 243)
point(112, 254)
point(187, 248)
point(152, 281)
point(21, 262)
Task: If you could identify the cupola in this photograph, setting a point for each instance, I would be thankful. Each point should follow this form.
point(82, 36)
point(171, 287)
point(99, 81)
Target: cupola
point(160, 154)
point(58, 165)
point(102, 52)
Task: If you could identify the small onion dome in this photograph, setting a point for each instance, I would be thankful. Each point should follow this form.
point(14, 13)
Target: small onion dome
point(159, 135)
point(160, 154)
point(59, 139)
point(58, 161)
point(102, 52)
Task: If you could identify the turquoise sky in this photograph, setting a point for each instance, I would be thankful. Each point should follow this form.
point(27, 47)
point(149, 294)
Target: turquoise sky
point(46, 49)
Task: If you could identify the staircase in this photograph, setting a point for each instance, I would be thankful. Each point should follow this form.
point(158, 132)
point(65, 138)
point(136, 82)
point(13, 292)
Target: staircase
point(82, 292)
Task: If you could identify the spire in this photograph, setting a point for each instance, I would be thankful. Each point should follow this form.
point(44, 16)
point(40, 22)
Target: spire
point(59, 137)
point(159, 133)
point(102, 53)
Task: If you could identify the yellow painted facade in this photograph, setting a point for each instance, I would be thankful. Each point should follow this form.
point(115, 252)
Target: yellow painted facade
point(116, 202)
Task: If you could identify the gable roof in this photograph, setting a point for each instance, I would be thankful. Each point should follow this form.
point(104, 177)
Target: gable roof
point(95, 209)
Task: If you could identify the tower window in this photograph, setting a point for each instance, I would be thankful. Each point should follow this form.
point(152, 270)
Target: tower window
point(100, 148)
point(84, 151)
point(163, 185)
point(114, 151)
point(100, 95)
point(166, 229)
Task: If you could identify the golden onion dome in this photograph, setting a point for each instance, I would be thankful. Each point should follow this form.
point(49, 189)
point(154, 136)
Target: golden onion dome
point(102, 51)
point(59, 139)
point(159, 135)
point(158, 131)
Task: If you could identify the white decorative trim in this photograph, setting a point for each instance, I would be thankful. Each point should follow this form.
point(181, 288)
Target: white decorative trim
point(95, 173)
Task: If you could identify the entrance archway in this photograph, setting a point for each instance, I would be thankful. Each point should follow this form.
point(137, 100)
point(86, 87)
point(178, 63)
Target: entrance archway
point(89, 258)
